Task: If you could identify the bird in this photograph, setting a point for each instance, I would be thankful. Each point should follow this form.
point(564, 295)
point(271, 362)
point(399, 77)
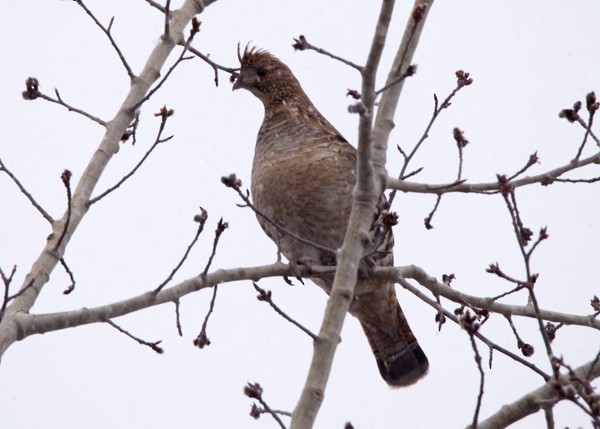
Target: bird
point(303, 175)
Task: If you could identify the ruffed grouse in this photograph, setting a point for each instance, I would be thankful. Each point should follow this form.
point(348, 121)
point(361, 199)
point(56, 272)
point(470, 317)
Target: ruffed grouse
point(303, 175)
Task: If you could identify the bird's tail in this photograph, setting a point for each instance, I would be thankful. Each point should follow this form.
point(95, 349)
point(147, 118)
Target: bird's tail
point(399, 357)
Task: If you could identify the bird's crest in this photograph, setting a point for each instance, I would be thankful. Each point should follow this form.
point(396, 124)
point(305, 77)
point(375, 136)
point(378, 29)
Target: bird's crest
point(253, 55)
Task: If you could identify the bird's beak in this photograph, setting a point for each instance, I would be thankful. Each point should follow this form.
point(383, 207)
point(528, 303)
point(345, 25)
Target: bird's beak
point(239, 83)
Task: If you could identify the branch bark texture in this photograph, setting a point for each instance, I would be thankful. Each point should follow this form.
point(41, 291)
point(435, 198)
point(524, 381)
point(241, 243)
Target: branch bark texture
point(51, 254)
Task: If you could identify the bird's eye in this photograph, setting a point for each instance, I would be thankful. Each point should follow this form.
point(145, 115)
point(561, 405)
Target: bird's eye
point(261, 72)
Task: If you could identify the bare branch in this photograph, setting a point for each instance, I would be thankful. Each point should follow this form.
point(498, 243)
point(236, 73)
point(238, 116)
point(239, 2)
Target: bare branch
point(533, 159)
point(545, 178)
point(441, 310)
point(164, 114)
point(115, 129)
point(265, 296)
point(216, 67)
point(255, 391)
point(167, 13)
point(572, 115)
point(400, 274)
point(32, 93)
point(429, 217)
point(367, 192)
point(463, 80)
point(202, 339)
point(178, 318)
point(66, 179)
point(106, 31)
point(154, 346)
point(234, 183)
point(193, 31)
point(384, 122)
point(6, 281)
point(301, 44)
point(533, 401)
point(221, 227)
point(25, 192)
point(157, 5)
point(71, 287)
point(471, 325)
point(523, 236)
point(201, 220)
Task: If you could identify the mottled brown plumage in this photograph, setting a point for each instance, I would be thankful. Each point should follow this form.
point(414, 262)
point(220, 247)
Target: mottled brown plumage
point(303, 175)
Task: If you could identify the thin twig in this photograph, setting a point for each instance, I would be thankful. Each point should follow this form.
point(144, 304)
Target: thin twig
point(257, 411)
point(592, 180)
point(410, 71)
point(233, 182)
point(216, 67)
point(202, 339)
point(28, 195)
point(523, 236)
point(265, 296)
point(526, 348)
point(302, 44)
point(71, 287)
point(463, 80)
point(154, 346)
point(6, 281)
point(167, 13)
point(193, 31)
point(177, 318)
point(533, 159)
point(588, 129)
point(156, 5)
point(106, 31)
point(164, 114)
point(255, 391)
point(415, 291)
point(429, 217)
point(32, 92)
point(221, 227)
point(461, 143)
point(66, 179)
point(201, 220)
point(471, 326)
point(495, 269)
point(417, 16)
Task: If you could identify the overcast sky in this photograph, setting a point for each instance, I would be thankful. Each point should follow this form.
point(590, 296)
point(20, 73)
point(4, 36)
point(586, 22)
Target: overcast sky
point(529, 60)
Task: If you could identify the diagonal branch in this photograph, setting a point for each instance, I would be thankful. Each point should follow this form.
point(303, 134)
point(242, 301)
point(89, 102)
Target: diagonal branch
point(533, 401)
point(365, 197)
point(115, 129)
point(106, 31)
point(25, 192)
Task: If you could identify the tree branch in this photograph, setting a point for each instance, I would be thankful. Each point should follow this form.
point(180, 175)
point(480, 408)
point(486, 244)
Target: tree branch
point(365, 197)
point(546, 178)
point(27, 194)
point(533, 401)
point(115, 129)
point(17, 326)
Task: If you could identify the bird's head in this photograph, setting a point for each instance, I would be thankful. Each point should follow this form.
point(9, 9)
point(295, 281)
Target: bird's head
point(265, 76)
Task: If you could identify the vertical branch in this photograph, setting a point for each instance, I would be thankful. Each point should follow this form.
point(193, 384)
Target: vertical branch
point(384, 122)
point(372, 145)
point(366, 195)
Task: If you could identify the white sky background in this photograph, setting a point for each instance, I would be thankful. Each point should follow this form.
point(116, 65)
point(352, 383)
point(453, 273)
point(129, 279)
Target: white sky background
point(528, 59)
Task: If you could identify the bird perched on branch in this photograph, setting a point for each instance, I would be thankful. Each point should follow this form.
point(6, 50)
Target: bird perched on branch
point(303, 175)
